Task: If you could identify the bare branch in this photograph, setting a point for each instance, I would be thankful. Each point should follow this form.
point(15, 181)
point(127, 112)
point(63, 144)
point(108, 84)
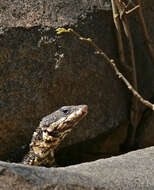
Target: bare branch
point(132, 10)
point(119, 36)
point(113, 65)
point(145, 31)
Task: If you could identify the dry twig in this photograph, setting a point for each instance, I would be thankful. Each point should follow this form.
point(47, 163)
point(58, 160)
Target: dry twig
point(119, 36)
point(112, 63)
point(144, 28)
point(134, 113)
point(118, 32)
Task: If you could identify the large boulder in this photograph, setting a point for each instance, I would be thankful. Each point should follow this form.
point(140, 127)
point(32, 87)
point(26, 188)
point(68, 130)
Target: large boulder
point(134, 171)
point(41, 72)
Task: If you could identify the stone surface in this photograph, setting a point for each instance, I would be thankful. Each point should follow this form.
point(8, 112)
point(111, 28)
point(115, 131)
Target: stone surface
point(134, 171)
point(103, 146)
point(41, 72)
point(57, 13)
point(145, 132)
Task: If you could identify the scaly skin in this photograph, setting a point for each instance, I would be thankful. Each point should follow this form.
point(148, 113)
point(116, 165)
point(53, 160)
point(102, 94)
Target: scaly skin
point(50, 133)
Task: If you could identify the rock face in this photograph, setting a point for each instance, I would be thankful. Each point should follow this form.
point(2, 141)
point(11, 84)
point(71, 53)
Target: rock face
point(145, 134)
point(134, 171)
point(41, 72)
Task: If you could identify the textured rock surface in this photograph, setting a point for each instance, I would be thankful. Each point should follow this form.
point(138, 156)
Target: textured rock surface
point(41, 71)
point(145, 132)
point(103, 146)
point(134, 171)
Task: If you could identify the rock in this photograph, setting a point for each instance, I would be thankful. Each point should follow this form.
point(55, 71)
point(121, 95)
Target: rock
point(145, 132)
point(41, 72)
point(103, 146)
point(134, 171)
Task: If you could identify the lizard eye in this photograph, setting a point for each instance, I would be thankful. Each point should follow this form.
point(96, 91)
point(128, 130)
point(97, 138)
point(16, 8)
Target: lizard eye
point(65, 111)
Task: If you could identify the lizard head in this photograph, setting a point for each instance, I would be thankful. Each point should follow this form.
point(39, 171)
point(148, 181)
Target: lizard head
point(61, 122)
point(51, 131)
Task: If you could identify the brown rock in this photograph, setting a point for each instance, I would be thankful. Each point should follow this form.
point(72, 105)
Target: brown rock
point(145, 132)
point(41, 71)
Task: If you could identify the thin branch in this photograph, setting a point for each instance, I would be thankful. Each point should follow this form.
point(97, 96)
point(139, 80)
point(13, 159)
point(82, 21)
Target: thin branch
point(123, 10)
point(132, 10)
point(134, 112)
point(145, 31)
point(134, 105)
point(119, 36)
point(112, 63)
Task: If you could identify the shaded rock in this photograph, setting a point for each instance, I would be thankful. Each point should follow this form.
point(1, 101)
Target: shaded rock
point(145, 132)
point(134, 171)
point(148, 134)
point(41, 72)
point(103, 146)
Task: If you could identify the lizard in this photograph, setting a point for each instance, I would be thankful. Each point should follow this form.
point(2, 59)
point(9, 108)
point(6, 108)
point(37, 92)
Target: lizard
point(51, 132)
